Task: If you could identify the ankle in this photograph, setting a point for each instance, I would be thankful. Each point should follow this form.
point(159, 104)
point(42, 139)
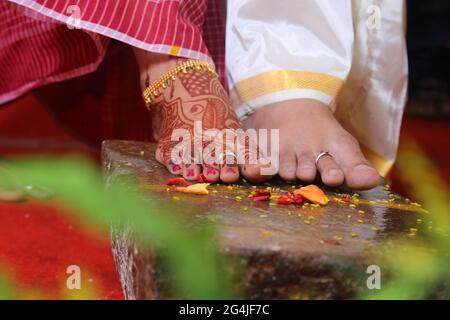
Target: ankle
point(153, 65)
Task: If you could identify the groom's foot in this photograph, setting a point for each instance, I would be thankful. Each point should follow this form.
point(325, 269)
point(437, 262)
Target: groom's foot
point(308, 128)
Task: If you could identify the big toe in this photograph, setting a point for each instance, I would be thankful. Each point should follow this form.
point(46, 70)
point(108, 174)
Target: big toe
point(362, 176)
point(255, 173)
point(229, 173)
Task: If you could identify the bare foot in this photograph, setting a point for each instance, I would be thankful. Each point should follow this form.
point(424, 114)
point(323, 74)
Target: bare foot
point(194, 97)
point(307, 128)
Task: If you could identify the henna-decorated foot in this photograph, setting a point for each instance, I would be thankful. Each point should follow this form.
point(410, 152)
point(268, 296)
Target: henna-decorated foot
point(195, 101)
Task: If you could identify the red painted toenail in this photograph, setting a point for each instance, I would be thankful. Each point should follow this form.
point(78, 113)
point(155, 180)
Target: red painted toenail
point(176, 167)
point(190, 173)
point(211, 171)
point(230, 170)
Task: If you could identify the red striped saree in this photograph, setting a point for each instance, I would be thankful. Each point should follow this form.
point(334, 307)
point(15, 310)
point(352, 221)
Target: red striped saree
point(75, 55)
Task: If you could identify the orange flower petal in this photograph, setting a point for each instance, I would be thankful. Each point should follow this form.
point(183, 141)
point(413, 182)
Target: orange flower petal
point(313, 193)
point(198, 188)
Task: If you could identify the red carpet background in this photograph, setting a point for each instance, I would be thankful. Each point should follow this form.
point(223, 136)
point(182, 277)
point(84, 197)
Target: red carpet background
point(38, 243)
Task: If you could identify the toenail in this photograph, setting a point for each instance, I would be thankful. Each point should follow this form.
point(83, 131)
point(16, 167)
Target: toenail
point(334, 172)
point(362, 167)
point(289, 170)
point(230, 170)
point(176, 167)
point(306, 167)
point(190, 173)
point(211, 171)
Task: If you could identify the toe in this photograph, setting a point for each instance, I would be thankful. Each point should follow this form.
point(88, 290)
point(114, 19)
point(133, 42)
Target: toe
point(172, 167)
point(229, 173)
point(362, 176)
point(191, 171)
point(257, 167)
point(288, 166)
point(359, 174)
point(254, 173)
point(306, 168)
point(330, 171)
point(211, 172)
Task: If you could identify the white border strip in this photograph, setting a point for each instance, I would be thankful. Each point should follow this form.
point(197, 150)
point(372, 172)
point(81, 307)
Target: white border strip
point(246, 109)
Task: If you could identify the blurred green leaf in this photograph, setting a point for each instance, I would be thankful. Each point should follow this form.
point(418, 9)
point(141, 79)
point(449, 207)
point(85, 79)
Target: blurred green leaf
point(419, 267)
point(189, 254)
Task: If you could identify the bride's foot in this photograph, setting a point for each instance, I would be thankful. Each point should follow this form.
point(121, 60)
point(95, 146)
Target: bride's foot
point(307, 128)
point(194, 98)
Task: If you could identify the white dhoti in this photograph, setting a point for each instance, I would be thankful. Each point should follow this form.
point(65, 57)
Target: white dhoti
point(348, 54)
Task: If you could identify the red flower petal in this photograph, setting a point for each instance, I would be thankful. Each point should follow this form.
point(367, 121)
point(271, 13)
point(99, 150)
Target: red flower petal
point(284, 200)
point(177, 181)
point(260, 198)
point(202, 179)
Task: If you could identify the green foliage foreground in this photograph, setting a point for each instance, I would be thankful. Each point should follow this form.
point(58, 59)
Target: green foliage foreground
point(188, 254)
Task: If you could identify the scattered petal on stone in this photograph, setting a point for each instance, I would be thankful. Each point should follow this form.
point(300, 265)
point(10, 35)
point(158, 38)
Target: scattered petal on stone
point(201, 178)
point(297, 199)
point(260, 198)
point(198, 188)
point(260, 195)
point(177, 181)
point(284, 200)
point(313, 193)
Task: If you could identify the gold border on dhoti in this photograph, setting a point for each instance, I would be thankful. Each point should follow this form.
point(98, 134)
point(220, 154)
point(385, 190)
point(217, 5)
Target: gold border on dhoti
point(280, 80)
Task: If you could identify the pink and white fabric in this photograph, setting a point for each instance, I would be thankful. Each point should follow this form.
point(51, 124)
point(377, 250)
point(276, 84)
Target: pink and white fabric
point(39, 44)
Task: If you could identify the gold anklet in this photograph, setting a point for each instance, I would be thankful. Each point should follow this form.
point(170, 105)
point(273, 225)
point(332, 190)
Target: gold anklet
point(156, 88)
